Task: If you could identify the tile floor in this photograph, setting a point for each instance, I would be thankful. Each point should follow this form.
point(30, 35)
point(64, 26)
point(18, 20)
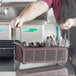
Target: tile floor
point(7, 68)
point(7, 73)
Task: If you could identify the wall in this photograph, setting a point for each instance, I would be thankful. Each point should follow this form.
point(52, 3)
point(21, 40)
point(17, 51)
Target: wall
point(6, 1)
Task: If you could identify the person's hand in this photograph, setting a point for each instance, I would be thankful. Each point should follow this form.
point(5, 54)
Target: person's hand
point(68, 24)
point(17, 22)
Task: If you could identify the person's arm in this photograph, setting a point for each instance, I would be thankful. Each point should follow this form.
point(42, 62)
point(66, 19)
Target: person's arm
point(74, 19)
point(31, 12)
point(34, 9)
point(71, 22)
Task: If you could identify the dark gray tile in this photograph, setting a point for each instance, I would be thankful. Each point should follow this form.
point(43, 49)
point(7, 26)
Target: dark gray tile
point(6, 65)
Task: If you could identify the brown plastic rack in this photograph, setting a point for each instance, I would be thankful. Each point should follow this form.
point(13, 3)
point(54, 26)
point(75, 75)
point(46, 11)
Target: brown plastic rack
point(40, 54)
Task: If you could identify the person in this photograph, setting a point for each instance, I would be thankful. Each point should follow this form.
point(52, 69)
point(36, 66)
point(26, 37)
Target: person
point(39, 7)
point(71, 22)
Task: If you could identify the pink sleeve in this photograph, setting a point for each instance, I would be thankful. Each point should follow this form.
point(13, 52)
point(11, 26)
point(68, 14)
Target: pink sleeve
point(49, 2)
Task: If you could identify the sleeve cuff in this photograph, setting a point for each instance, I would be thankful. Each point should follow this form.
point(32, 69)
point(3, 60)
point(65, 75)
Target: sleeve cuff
point(48, 2)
